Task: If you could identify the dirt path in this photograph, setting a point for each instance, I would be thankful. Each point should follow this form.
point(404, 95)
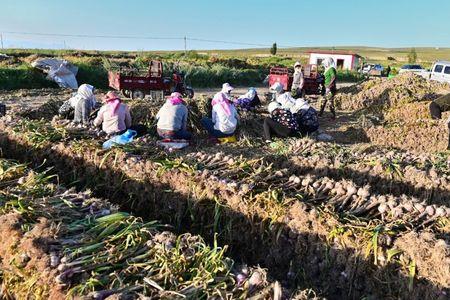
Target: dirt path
point(242, 90)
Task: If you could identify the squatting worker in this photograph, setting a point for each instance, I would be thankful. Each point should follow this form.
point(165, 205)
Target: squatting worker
point(330, 87)
point(298, 81)
point(284, 98)
point(82, 103)
point(172, 119)
point(224, 115)
point(114, 116)
point(437, 107)
point(281, 122)
point(249, 100)
point(306, 116)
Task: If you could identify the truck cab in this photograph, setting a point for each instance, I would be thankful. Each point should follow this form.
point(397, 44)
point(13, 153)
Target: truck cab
point(440, 71)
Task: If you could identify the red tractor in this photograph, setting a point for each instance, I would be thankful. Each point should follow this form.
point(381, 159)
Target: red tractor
point(314, 81)
point(136, 83)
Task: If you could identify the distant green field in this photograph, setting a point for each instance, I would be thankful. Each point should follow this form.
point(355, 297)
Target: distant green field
point(425, 56)
point(244, 67)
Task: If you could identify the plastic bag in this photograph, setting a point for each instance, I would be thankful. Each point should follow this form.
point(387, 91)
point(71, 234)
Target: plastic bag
point(122, 139)
point(60, 71)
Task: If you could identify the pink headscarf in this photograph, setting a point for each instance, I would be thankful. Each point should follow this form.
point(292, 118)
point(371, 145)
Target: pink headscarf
point(175, 98)
point(112, 100)
point(222, 100)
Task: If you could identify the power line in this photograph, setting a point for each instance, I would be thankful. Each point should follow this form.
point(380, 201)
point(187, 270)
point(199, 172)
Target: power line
point(185, 39)
point(228, 42)
point(94, 36)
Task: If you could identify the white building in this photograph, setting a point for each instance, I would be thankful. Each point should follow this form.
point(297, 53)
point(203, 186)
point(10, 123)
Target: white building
point(344, 60)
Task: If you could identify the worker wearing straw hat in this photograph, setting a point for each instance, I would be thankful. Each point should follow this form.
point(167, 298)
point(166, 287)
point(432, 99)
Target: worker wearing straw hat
point(298, 81)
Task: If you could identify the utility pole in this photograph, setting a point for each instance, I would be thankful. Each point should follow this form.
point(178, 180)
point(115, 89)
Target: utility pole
point(1, 39)
point(185, 45)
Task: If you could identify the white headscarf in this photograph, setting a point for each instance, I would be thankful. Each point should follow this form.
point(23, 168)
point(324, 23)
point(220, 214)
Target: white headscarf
point(272, 106)
point(85, 91)
point(249, 95)
point(277, 87)
point(297, 70)
point(227, 88)
point(300, 104)
point(286, 100)
point(328, 63)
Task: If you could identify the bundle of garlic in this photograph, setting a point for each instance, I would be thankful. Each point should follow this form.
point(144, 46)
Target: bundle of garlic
point(344, 195)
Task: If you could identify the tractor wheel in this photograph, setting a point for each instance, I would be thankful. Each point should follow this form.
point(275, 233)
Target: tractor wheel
point(189, 93)
point(125, 93)
point(156, 97)
point(137, 94)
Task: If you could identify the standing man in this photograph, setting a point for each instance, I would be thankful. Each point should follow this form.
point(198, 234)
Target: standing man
point(330, 86)
point(388, 70)
point(298, 81)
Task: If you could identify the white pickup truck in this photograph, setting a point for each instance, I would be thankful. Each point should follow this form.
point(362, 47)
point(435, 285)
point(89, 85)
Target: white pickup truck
point(439, 72)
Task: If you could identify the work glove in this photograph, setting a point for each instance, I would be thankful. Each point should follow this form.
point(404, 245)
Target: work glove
point(327, 91)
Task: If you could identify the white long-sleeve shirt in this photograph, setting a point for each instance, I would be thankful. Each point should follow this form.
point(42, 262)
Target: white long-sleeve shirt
point(286, 100)
point(222, 122)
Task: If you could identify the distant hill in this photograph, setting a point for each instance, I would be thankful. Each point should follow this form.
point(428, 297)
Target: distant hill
point(394, 56)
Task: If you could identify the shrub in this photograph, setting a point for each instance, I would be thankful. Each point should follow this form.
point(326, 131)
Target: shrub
point(92, 74)
point(349, 76)
point(200, 76)
point(23, 77)
point(273, 50)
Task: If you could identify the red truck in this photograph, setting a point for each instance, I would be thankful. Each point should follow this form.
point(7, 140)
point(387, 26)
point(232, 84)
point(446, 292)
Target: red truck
point(136, 83)
point(314, 81)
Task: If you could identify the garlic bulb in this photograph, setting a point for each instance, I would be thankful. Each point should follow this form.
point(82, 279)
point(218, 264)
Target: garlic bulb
point(382, 208)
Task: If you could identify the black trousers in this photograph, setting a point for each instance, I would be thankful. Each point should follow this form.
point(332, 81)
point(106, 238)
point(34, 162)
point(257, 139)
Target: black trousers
point(439, 105)
point(448, 146)
point(272, 127)
point(435, 111)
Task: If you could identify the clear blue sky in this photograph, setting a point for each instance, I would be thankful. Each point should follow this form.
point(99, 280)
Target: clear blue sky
point(385, 23)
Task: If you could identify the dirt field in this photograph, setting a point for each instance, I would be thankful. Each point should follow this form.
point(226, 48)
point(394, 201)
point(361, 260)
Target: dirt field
point(364, 216)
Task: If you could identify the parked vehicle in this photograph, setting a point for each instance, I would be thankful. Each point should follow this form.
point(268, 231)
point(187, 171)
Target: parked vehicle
point(137, 83)
point(376, 70)
point(411, 68)
point(366, 68)
point(314, 80)
point(372, 69)
point(440, 71)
